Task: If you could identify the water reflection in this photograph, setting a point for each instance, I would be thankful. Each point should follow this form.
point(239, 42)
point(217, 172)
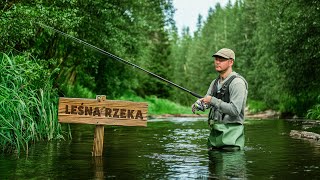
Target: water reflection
point(98, 168)
point(227, 164)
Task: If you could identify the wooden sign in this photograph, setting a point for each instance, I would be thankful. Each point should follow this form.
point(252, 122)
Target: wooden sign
point(101, 111)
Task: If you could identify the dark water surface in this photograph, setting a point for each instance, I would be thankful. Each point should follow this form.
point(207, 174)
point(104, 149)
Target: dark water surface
point(170, 149)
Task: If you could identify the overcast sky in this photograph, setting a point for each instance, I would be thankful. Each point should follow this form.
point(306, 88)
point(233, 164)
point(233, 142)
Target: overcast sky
point(187, 11)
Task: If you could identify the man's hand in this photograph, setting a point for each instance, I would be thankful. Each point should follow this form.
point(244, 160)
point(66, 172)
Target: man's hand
point(206, 100)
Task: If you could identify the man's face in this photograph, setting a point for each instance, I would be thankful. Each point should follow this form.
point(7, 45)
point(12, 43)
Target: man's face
point(222, 64)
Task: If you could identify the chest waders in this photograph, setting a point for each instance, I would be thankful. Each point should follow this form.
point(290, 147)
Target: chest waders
point(228, 136)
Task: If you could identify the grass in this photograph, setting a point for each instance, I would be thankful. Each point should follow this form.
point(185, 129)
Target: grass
point(28, 107)
point(256, 106)
point(157, 106)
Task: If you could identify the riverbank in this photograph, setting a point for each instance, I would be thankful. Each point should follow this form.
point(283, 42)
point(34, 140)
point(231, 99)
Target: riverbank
point(268, 114)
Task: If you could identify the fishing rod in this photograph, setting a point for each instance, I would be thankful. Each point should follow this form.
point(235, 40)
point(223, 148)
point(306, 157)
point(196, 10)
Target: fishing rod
point(119, 59)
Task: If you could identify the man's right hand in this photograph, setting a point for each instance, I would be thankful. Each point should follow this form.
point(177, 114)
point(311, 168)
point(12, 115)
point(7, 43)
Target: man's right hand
point(206, 100)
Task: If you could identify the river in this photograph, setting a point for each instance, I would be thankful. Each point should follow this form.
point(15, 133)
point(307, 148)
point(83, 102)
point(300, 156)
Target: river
point(172, 148)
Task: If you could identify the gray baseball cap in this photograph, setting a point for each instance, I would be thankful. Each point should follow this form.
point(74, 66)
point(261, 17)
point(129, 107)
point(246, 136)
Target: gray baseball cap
point(225, 53)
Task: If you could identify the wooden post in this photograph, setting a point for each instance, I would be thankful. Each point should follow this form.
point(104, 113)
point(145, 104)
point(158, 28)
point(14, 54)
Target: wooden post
point(98, 134)
point(98, 140)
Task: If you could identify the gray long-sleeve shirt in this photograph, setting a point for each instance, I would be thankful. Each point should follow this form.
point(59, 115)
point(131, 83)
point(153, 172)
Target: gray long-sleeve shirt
point(234, 110)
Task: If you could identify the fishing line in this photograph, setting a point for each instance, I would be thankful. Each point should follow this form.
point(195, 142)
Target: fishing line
point(118, 59)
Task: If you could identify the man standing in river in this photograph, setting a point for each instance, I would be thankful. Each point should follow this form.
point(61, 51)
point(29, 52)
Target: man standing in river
point(226, 98)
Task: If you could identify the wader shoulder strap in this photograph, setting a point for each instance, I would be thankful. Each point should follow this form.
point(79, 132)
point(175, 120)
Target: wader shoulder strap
point(222, 93)
point(215, 87)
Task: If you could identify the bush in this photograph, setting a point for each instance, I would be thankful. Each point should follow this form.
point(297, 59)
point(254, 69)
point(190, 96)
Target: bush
point(257, 106)
point(314, 113)
point(158, 106)
point(28, 104)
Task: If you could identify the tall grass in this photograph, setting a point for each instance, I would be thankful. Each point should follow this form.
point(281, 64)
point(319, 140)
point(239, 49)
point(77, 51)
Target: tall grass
point(28, 105)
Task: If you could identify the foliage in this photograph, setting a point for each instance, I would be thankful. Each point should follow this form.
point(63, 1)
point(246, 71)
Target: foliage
point(256, 106)
point(314, 112)
point(298, 50)
point(121, 28)
point(158, 106)
point(77, 91)
point(28, 104)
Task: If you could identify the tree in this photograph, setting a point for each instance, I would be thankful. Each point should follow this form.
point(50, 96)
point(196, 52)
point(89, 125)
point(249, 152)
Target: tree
point(298, 51)
point(121, 28)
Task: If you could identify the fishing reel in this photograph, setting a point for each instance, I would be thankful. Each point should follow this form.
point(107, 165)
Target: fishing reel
point(199, 106)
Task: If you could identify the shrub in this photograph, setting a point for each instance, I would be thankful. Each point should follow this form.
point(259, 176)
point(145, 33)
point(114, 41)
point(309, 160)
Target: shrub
point(28, 104)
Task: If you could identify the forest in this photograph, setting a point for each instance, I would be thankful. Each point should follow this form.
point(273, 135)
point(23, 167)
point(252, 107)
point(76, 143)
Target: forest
point(276, 43)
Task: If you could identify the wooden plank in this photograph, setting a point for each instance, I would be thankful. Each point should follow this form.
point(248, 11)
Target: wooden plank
point(101, 111)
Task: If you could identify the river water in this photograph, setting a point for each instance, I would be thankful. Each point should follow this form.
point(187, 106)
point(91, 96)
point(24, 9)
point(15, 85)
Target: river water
point(173, 148)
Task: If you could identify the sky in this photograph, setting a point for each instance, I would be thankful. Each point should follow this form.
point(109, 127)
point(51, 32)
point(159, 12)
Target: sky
point(187, 11)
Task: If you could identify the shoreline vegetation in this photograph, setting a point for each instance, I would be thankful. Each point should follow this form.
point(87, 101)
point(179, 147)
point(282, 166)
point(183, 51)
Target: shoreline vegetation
point(28, 105)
